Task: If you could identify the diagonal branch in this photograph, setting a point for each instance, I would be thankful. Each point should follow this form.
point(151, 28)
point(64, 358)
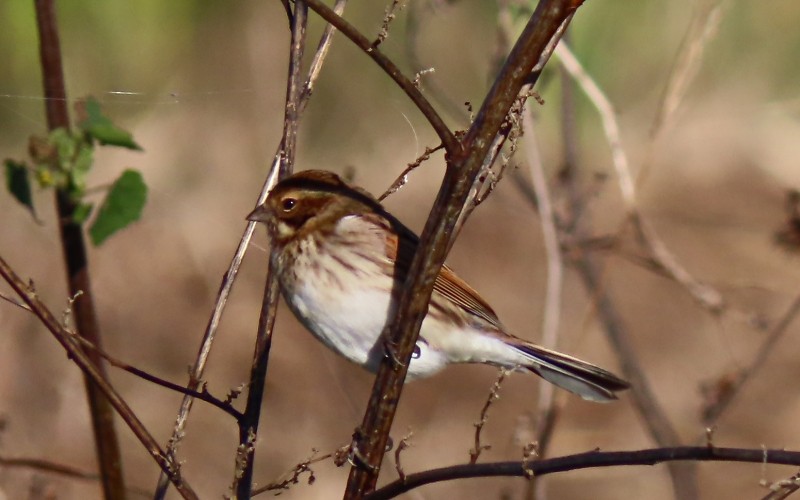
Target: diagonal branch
point(91, 372)
point(713, 413)
point(464, 165)
point(449, 140)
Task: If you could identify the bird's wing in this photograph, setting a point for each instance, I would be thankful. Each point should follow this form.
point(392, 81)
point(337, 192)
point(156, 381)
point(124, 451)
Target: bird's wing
point(400, 249)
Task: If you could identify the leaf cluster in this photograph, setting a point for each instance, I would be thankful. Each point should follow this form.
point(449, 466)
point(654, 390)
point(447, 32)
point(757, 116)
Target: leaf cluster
point(62, 161)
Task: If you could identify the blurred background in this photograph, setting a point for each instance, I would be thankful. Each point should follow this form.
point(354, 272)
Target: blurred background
point(201, 86)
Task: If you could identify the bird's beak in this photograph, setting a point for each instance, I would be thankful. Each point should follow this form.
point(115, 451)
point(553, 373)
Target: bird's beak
point(259, 214)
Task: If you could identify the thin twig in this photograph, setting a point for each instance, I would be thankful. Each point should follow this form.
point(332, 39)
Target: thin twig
point(388, 17)
point(402, 445)
point(417, 11)
point(591, 459)
point(494, 395)
point(49, 466)
point(202, 395)
point(487, 179)
point(76, 353)
point(320, 55)
point(702, 29)
point(654, 417)
point(784, 488)
point(546, 408)
point(233, 268)
point(402, 179)
point(293, 476)
point(248, 424)
point(14, 302)
point(707, 296)
point(449, 140)
point(712, 414)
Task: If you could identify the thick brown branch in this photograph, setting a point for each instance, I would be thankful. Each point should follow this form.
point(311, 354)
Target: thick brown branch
point(463, 168)
point(73, 247)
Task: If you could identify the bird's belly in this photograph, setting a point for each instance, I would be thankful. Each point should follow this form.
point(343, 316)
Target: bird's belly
point(349, 323)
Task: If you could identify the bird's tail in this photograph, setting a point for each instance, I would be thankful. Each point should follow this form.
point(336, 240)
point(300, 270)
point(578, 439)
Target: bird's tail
point(584, 379)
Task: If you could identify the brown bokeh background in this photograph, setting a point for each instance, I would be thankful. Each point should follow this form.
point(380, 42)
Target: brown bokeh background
point(205, 83)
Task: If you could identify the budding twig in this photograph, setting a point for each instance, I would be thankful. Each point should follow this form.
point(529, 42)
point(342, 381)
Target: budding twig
point(494, 394)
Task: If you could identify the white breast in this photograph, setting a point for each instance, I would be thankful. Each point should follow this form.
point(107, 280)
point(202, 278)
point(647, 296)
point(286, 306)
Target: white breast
point(340, 292)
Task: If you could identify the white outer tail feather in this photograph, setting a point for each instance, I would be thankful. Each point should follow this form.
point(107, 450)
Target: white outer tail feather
point(579, 377)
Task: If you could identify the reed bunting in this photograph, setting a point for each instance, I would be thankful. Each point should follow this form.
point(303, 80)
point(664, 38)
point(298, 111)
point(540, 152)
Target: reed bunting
point(341, 257)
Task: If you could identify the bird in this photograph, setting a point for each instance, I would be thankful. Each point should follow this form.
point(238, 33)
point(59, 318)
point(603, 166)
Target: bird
point(341, 259)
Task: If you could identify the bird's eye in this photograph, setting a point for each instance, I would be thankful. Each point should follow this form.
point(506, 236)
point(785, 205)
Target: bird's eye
point(288, 204)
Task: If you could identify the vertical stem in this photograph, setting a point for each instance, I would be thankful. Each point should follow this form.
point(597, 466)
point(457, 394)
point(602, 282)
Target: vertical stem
point(248, 425)
point(74, 251)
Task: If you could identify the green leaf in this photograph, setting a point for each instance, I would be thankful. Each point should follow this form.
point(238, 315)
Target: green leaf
point(82, 212)
point(18, 183)
point(103, 129)
point(123, 205)
point(81, 167)
point(65, 145)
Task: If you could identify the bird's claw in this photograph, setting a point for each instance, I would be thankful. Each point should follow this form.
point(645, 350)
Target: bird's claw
point(356, 457)
point(390, 349)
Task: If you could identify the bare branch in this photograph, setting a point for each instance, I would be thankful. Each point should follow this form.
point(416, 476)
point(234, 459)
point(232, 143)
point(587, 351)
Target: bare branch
point(238, 256)
point(546, 405)
point(704, 294)
point(445, 135)
point(494, 394)
point(202, 395)
point(76, 259)
point(248, 424)
point(402, 179)
point(586, 460)
point(464, 165)
point(654, 417)
point(66, 339)
point(724, 398)
point(387, 21)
